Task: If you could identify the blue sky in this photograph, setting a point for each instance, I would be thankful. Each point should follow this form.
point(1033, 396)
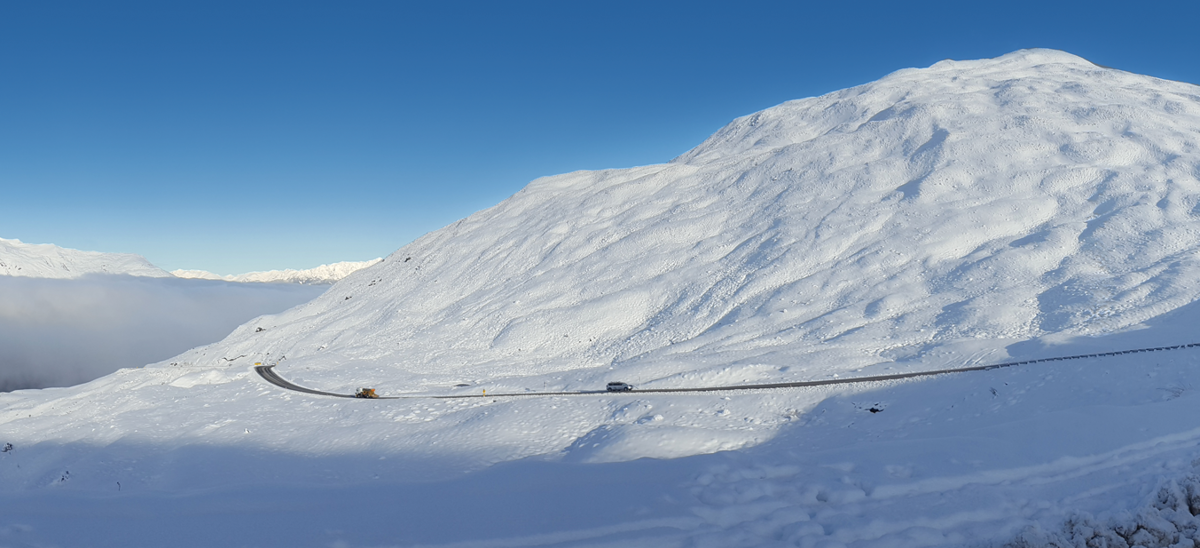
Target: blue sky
point(252, 135)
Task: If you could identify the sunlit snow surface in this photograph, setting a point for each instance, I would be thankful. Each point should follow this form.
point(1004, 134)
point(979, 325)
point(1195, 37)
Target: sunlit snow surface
point(324, 274)
point(973, 212)
point(19, 259)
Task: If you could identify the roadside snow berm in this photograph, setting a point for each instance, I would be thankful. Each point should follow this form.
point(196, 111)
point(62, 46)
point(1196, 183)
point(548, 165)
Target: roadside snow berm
point(366, 393)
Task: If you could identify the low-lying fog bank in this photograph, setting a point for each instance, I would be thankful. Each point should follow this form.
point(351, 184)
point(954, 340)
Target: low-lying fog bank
point(65, 332)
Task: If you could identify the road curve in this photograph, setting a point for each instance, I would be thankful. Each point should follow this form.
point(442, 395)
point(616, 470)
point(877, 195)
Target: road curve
point(267, 372)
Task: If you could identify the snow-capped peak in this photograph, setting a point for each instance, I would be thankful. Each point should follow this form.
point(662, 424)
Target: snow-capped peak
point(50, 261)
point(324, 274)
point(1017, 60)
point(950, 94)
point(1000, 200)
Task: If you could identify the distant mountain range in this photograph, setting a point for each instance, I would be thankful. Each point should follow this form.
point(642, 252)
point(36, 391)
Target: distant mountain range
point(324, 274)
point(50, 261)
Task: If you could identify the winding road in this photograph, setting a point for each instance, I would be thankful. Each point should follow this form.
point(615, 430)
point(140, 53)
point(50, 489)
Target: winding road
point(268, 372)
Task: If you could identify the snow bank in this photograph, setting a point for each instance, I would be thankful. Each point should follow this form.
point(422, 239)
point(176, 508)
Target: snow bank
point(1169, 520)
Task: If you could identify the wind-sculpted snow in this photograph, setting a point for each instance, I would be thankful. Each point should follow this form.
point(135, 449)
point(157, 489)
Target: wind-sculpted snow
point(971, 213)
point(990, 200)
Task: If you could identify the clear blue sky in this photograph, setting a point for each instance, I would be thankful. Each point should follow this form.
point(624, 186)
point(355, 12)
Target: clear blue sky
point(252, 135)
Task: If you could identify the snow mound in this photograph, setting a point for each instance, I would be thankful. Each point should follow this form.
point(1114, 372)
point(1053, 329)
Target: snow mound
point(51, 261)
point(324, 274)
point(1171, 519)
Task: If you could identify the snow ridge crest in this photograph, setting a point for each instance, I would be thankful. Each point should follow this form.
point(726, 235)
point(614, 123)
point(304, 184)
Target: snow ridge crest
point(324, 274)
point(994, 200)
point(1020, 83)
point(50, 261)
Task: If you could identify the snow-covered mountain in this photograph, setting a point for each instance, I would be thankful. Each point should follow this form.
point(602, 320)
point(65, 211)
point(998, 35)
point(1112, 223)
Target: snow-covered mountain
point(992, 200)
point(324, 274)
point(51, 261)
point(1027, 206)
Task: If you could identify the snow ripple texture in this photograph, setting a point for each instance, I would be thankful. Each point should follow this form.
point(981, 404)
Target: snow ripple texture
point(1011, 198)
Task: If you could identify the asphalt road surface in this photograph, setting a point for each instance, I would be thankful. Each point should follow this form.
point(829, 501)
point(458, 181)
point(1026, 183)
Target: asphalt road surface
point(268, 372)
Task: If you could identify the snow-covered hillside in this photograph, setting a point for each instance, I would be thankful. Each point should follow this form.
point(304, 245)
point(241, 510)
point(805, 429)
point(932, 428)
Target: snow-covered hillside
point(1027, 206)
point(51, 261)
point(991, 201)
point(324, 274)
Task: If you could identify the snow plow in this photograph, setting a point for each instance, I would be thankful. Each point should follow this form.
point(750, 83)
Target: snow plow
point(366, 393)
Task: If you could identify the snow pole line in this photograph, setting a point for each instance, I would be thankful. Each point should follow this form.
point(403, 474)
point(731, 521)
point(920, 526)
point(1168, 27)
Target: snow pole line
point(267, 372)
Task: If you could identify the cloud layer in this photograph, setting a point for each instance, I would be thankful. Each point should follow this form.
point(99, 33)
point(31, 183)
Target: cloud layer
point(65, 332)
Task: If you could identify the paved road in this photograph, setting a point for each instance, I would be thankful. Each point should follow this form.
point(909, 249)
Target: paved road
point(267, 372)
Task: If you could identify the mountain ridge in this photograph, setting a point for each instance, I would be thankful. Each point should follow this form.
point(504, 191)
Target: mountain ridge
point(50, 261)
point(997, 200)
point(323, 274)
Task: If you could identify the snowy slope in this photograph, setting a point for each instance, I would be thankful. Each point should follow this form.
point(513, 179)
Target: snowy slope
point(1032, 205)
point(979, 201)
point(324, 274)
point(51, 261)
